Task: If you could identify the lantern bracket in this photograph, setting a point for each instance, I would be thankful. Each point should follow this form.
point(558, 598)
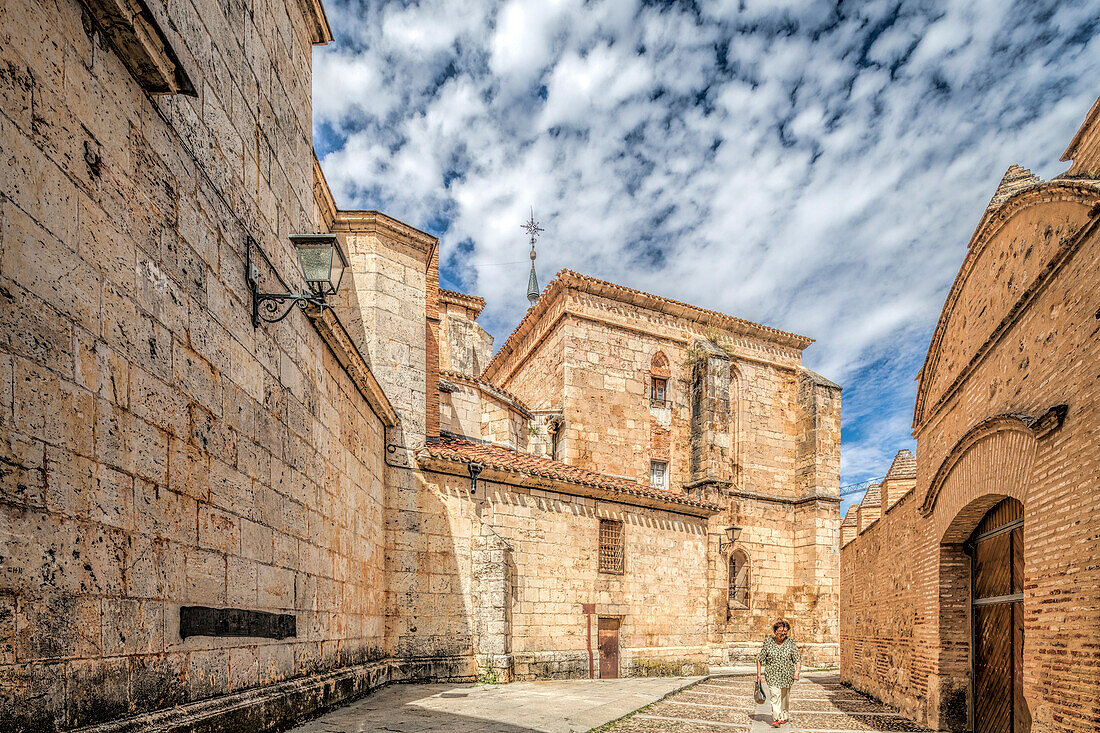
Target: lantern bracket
point(268, 307)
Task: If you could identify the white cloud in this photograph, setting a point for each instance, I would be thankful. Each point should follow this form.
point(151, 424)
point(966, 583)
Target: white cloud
point(816, 171)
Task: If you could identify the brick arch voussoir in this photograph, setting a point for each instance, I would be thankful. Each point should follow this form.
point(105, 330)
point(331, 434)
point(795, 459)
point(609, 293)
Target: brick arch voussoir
point(991, 462)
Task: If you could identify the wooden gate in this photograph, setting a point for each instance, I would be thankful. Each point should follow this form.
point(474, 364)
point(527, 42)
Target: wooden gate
point(997, 550)
point(609, 648)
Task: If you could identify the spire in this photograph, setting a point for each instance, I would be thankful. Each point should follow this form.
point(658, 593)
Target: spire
point(533, 229)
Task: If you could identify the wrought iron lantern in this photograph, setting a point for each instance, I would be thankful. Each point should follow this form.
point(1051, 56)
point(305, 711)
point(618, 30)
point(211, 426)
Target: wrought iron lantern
point(732, 533)
point(323, 264)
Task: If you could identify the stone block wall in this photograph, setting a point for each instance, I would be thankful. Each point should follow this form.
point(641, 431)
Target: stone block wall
point(548, 544)
point(161, 451)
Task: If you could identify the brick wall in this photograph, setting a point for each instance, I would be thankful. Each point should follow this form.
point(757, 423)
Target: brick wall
point(905, 580)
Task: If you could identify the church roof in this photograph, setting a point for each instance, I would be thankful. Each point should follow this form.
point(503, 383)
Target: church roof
point(459, 450)
point(568, 279)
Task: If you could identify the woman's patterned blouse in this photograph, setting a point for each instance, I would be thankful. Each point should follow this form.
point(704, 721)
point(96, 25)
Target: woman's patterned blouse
point(779, 661)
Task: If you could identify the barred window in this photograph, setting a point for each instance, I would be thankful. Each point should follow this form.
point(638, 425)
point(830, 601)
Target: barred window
point(611, 546)
point(658, 474)
point(739, 580)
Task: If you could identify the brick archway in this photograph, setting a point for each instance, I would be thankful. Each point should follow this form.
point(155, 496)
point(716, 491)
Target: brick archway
point(991, 462)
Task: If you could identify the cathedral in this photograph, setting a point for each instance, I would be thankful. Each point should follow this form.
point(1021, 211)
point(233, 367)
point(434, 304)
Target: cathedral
point(256, 462)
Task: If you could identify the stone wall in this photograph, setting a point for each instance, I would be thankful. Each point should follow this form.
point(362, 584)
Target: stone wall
point(159, 450)
point(541, 546)
point(1018, 337)
point(765, 436)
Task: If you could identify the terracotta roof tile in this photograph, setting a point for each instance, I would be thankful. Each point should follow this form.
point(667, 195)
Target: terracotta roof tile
point(457, 449)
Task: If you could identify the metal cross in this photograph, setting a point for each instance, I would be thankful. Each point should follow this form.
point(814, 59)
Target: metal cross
point(532, 227)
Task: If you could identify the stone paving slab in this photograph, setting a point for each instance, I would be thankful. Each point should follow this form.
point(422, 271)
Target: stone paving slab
point(819, 704)
point(567, 706)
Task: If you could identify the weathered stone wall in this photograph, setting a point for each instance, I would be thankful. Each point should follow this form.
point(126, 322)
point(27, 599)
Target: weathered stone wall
point(160, 451)
point(907, 575)
point(464, 347)
point(542, 547)
point(472, 411)
point(772, 436)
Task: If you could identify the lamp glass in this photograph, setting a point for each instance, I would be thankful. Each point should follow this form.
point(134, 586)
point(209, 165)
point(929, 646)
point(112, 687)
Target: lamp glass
point(733, 533)
point(322, 261)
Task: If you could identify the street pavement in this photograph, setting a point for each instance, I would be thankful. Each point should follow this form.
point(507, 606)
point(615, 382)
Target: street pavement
point(567, 706)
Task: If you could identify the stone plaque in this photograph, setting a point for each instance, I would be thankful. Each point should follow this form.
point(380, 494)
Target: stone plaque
point(202, 621)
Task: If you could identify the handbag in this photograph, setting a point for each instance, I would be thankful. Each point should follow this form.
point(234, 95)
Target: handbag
point(758, 693)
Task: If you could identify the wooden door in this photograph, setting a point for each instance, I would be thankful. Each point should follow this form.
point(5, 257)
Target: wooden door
point(997, 571)
point(609, 648)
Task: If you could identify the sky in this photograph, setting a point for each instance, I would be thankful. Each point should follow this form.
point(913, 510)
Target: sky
point(816, 167)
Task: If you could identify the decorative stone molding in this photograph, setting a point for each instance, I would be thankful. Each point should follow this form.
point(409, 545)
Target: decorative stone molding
point(136, 36)
point(334, 334)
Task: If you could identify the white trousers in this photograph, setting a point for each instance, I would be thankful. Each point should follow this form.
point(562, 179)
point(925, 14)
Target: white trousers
point(781, 701)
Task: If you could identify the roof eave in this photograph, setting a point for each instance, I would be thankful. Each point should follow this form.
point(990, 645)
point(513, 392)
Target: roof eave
point(501, 474)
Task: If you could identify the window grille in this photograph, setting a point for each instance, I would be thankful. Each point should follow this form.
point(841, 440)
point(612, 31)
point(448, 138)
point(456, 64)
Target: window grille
point(658, 474)
point(611, 546)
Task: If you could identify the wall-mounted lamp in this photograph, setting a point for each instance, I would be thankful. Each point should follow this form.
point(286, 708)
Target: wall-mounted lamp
point(732, 533)
point(475, 471)
point(323, 264)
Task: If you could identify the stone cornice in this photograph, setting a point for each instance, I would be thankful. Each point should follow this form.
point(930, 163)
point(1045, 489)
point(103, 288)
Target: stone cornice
point(553, 304)
point(474, 302)
point(366, 221)
point(337, 338)
point(494, 392)
point(320, 33)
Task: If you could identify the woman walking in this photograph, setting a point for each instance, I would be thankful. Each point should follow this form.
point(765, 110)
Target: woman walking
point(782, 665)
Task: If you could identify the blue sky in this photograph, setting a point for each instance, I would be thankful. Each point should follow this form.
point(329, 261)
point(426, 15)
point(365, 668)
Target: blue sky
point(817, 167)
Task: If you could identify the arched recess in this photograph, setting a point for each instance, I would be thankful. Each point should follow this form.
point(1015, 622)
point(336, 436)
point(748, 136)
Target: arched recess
point(737, 440)
point(659, 379)
point(739, 581)
point(992, 462)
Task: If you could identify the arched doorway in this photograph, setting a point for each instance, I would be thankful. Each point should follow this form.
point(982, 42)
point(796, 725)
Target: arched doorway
point(996, 550)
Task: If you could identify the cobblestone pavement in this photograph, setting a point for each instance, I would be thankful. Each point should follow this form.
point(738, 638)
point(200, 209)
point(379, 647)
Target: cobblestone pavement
point(819, 704)
point(568, 706)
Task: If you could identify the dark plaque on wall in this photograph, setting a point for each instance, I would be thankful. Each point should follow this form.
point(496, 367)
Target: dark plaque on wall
point(202, 621)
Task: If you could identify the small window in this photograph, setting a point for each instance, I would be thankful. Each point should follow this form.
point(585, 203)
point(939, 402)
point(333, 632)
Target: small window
point(658, 474)
point(611, 546)
point(658, 389)
point(739, 581)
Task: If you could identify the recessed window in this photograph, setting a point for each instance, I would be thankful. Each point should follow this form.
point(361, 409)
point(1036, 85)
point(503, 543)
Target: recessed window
point(658, 474)
point(611, 546)
point(739, 581)
point(658, 389)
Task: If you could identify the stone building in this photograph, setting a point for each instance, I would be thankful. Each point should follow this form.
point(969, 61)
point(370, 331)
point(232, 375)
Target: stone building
point(971, 602)
point(209, 521)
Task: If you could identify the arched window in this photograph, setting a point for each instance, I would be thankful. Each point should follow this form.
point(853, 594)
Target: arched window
point(739, 580)
point(659, 374)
